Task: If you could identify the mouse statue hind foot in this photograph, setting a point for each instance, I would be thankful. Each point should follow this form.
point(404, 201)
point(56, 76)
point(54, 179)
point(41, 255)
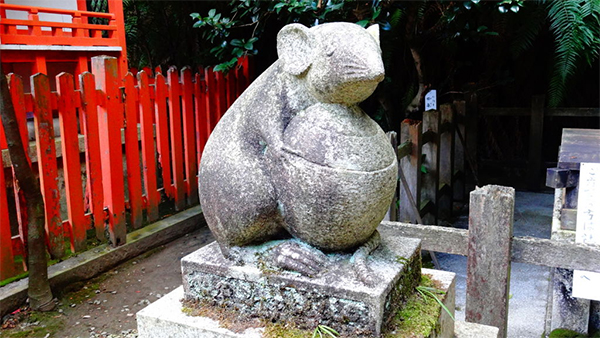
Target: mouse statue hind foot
point(295, 156)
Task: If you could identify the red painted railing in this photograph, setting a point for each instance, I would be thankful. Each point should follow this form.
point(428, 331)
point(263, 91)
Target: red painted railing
point(79, 32)
point(134, 123)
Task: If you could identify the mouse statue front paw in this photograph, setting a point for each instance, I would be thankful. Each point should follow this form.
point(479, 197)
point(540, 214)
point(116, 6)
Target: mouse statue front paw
point(293, 256)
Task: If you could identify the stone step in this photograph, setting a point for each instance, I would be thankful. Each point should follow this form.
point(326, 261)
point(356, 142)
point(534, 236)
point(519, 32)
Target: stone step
point(472, 330)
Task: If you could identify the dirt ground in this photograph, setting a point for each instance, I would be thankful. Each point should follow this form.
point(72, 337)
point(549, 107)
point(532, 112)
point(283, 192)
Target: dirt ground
point(106, 305)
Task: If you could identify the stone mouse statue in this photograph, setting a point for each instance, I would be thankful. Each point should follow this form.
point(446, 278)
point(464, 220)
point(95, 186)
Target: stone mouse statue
point(295, 154)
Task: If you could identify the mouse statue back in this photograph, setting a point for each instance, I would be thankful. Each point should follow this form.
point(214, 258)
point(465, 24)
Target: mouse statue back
point(295, 155)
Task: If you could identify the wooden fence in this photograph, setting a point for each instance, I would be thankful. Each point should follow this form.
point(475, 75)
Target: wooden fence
point(533, 148)
point(140, 143)
point(490, 247)
point(431, 157)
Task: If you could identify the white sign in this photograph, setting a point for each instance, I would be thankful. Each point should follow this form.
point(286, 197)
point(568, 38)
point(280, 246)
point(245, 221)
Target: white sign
point(585, 284)
point(431, 100)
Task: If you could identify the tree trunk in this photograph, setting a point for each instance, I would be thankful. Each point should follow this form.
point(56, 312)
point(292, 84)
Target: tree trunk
point(40, 295)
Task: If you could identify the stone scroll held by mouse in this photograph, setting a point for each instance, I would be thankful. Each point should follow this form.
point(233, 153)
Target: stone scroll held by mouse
point(295, 160)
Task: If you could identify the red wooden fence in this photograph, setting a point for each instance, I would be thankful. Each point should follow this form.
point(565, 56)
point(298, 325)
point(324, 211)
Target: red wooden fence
point(126, 127)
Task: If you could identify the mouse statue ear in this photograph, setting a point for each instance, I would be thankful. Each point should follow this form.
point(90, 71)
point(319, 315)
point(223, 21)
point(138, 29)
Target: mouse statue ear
point(374, 31)
point(295, 47)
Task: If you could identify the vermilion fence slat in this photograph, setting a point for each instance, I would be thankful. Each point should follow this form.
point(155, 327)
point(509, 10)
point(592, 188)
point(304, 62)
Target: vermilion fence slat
point(176, 137)
point(110, 123)
point(221, 91)
point(148, 154)
point(132, 152)
point(15, 84)
point(189, 139)
point(46, 153)
point(162, 133)
point(7, 261)
point(201, 115)
point(89, 121)
point(241, 80)
point(71, 163)
point(212, 97)
point(231, 87)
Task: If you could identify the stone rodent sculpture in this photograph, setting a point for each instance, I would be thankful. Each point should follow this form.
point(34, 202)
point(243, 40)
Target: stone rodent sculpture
point(295, 154)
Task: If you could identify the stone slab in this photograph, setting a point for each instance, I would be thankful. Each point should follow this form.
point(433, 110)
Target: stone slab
point(165, 318)
point(335, 297)
point(473, 330)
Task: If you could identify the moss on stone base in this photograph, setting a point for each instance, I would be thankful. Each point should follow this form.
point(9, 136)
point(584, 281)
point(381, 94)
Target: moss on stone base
point(417, 318)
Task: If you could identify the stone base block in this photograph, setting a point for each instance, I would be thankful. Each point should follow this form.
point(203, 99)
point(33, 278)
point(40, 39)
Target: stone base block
point(166, 318)
point(336, 297)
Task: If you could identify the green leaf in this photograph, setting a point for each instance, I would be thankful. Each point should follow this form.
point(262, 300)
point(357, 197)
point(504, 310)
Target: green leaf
point(515, 8)
point(467, 4)
point(198, 24)
point(248, 45)
point(195, 15)
point(237, 52)
point(237, 43)
point(217, 17)
point(363, 23)
point(212, 13)
point(423, 169)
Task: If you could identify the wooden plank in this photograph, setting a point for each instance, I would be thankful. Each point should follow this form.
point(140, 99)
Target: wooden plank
point(491, 214)
point(44, 133)
point(213, 97)
point(528, 250)
point(71, 164)
point(201, 115)
point(132, 152)
point(446, 166)
point(221, 102)
point(148, 152)
point(162, 133)
point(536, 134)
point(7, 260)
point(404, 149)
point(93, 155)
point(471, 135)
point(189, 139)
point(458, 181)
point(574, 112)
point(431, 162)
point(15, 85)
point(434, 238)
point(110, 122)
point(568, 219)
point(410, 130)
point(176, 133)
point(231, 87)
point(508, 111)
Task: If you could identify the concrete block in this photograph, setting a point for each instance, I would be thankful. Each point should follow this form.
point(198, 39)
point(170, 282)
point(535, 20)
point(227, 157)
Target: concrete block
point(474, 330)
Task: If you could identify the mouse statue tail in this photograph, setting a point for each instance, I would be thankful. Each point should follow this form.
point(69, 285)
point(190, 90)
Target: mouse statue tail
point(360, 259)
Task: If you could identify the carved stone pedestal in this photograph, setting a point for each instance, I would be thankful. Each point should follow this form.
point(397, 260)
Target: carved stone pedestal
point(336, 297)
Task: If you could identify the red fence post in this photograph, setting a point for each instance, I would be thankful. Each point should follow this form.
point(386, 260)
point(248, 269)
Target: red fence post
point(148, 154)
point(176, 137)
point(189, 140)
point(110, 122)
point(201, 115)
point(46, 152)
point(89, 121)
point(162, 133)
point(71, 164)
point(212, 98)
point(7, 260)
point(132, 152)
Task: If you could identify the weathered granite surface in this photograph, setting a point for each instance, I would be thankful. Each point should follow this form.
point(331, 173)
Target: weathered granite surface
point(335, 297)
point(295, 154)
